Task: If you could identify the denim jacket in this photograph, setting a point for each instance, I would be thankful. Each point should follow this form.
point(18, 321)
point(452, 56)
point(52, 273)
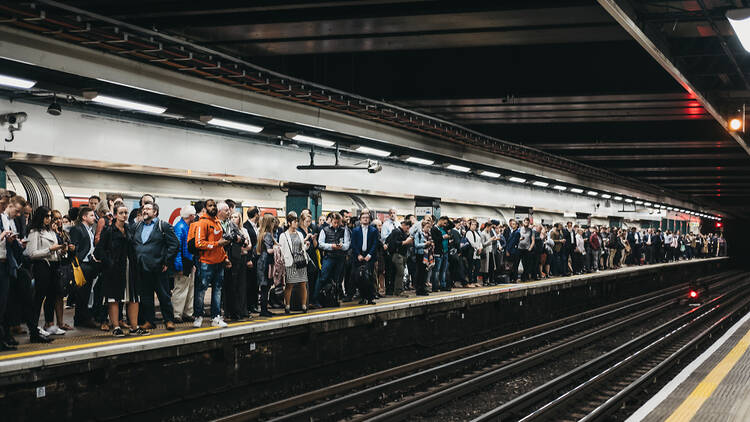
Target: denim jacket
point(419, 242)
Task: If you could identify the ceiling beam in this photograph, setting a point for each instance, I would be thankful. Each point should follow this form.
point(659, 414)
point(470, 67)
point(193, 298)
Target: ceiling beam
point(617, 98)
point(660, 156)
point(617, 145)
point(713, 177)
point(624, 168)
point(588, 119)
point(656, 45)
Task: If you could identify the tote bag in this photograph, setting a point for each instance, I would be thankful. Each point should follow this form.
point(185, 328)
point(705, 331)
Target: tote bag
point(78, 273)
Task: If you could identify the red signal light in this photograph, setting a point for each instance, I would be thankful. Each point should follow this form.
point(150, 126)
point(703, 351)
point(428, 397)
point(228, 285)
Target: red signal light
point(718, 224)
point(693, 294)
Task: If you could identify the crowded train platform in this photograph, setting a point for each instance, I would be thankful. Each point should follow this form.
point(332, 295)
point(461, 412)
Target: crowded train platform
point(109, 262)
point(373, 210)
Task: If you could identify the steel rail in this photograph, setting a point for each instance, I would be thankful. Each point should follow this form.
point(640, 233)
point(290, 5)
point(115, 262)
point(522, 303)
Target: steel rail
point(340, 388)
point(609, 361)
point(614, 402)
point(420, 403)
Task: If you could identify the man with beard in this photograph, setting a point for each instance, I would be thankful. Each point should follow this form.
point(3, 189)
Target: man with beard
point(209, 240)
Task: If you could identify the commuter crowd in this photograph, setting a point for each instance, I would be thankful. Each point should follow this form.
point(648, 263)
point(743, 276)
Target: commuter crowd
point(109, 262)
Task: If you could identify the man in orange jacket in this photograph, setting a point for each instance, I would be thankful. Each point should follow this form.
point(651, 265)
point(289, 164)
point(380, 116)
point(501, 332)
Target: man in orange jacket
point(210, 241)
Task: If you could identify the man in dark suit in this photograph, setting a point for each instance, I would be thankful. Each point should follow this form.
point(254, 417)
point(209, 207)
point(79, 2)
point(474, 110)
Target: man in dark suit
point(569, 234)
point(251, 225)
point(364, 240)
point(156, 246)
point(82, 239)
point(634, 239)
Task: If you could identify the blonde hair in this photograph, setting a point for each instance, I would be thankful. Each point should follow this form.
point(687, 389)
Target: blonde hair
point(267, 223)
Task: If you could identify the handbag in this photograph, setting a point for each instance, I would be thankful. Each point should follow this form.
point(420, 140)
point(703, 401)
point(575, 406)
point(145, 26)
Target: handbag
point(78, 273)
point(298, 258)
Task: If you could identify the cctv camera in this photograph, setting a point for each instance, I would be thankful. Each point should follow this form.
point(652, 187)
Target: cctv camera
point(13, 118)
point(373, 166)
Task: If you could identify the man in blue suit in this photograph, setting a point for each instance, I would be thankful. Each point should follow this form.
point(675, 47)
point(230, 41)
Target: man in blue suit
point(364, 241)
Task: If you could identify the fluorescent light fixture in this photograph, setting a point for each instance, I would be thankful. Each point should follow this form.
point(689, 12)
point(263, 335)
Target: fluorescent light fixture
point(618, 198)
point(489, 173)
point(576, 190)
point(315, 141)
point(16, 82)
point(418, 160)
point(606, 196)
point(559, 187)
point(639, 202)
point(669, 208)
point(740, 21)
point(454, 167)
point(591, 193)
point(628, 200)
point(229, 124)
point(540, 184)
point(517, 179)
point(648, 204)
point(147, 90)
point(127, 104)
point(373, 151)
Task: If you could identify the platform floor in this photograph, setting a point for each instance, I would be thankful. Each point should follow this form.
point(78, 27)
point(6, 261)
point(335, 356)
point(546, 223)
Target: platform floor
point(713, 388)
point(96, 343)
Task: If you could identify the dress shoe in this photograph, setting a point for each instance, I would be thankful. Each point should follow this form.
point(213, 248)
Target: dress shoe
point(38, 338)
point(188, 318)
point(169, 326)
point(266, 314)
point(148, 326)
point(5, 346)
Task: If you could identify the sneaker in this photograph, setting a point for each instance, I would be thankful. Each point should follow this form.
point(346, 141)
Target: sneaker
point(218, 322)
point(55, 330)
point(43, 332)
point(117, 332)
point(139, 331)
point(198, 322)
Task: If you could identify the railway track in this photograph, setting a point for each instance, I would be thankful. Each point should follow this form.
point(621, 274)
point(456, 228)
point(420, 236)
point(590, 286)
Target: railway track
point(399, 392)
point(598, 388)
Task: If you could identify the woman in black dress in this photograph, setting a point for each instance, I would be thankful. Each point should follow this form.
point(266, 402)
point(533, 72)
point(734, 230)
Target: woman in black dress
point(114, 250)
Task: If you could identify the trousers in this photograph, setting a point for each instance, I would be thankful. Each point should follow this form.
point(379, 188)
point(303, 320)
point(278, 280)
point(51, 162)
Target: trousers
point(182, 294)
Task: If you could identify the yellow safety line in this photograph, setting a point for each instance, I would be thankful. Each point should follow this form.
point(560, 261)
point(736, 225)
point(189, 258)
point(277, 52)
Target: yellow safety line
point(235, 324)
point(703, 391)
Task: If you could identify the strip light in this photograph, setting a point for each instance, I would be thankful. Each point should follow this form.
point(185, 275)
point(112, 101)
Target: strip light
point(740, 21)
point(373, 151)
point(454, 167)
point(576, 190)
point(606, 196)
point(648, 204)
point(559, 187)
point(618, 198)
point(628, 200)
point(311, 140)
point(540, 184)
point(639, 202)
point(591, 193)
point(489, 174)
point(418, 160)
point(517, 179)
point(16, 82)
point(229, 124)
point(127, 104)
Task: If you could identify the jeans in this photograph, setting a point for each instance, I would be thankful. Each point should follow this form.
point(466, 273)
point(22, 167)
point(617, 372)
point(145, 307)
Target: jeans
point(210, 275)
point(439, 272)
point(331, 270)
point(148, 283)
point(595, 255)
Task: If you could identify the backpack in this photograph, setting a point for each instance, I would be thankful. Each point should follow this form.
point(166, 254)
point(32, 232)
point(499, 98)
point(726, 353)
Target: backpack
point(328, 297)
